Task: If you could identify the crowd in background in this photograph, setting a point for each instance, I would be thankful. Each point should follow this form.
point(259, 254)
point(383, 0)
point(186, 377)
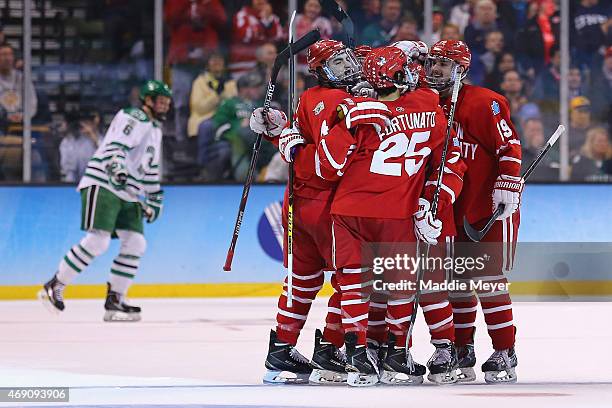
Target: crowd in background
point(219, 56)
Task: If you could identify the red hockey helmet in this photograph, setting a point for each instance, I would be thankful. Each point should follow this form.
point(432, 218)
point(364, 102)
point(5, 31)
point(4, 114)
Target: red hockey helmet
point(451, 54)
point(333, 63)
point(361, 52)
point(387, 67)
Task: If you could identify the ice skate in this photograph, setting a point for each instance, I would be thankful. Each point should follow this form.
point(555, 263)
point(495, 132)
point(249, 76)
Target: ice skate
point(328, 362)
point(380, 350)
point(399, 368)
point(362, 364)
point(284, 364)
point(466, 362)
point(500, 367)
point(442, 364)
point(117, 310)
point(52, 295)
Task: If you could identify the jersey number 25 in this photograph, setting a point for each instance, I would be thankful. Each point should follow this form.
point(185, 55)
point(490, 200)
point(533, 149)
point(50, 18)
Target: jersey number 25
point(396, 146)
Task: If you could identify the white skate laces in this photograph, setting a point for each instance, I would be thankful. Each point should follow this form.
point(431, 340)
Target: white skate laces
point(58, 291)
point(294, 354)
point(410, 360)
point(442, 355)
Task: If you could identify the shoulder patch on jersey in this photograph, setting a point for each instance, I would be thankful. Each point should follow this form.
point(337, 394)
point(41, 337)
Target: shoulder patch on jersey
point(319, 108)
point(137, 113)
point(495, 108)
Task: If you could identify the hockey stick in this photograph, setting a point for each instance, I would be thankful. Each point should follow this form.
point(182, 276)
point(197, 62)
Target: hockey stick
point(304, 42)
point(334, 9)
point(477, 235)
point(436, 199)
point(291, 172)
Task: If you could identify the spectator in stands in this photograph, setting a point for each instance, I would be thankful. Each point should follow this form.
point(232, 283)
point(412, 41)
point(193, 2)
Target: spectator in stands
point(461, 14)
point(580, 122)
point(451, 32)
point(485, 20)
point(12, 91)
point(437, 22)
point(310, 18)
point(381, 32)
point(365, 14)
point(194, 27)
point(407, 31)
point(265, 55)
point(512, 89)
point(253, 25)
point(589, 37)
point(209, 89)
point(594, 163)
point(82, 137)
point(574, 83)
point(233, 134)
point(533, 141)
point(546, 89)
point(484, 64)
point(505, 62)
point(601, 88)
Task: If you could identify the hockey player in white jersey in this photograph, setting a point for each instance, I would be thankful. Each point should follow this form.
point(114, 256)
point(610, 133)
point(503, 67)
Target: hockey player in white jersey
point(125, 166)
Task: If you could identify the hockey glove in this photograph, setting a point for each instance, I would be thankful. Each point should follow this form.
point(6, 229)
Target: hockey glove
point(364, 113)
point(364, 89)
point(154, 204)
point(271, 127)
point(507, 192)
point(289, 139)
point(117, 173)
point(426, 228)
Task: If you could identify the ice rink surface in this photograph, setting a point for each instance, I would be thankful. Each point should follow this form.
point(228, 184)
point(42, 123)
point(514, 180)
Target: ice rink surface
point(210, 353)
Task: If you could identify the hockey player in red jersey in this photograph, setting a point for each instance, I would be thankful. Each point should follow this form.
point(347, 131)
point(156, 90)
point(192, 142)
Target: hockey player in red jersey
point(337, 70)
point(491, 149)
point(378, 199)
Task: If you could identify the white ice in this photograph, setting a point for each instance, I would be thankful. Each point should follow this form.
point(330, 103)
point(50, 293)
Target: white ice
point(210, 352)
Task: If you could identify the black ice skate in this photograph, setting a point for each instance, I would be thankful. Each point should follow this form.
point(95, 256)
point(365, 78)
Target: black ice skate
point(52, 295)
point(328, 362)
point(380, 350)
point(285, 364)
point(442, 364)
point(467, 361)
point(117, 310)
point(361, 363)
point(499, 368)
point(399, 367)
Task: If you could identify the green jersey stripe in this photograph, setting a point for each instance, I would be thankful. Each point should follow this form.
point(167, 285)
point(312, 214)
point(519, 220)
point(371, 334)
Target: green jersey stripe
point(124, 274)
point(70, 264)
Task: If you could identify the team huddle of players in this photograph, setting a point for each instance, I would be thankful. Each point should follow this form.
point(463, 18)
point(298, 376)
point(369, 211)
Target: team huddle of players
point(367, 146)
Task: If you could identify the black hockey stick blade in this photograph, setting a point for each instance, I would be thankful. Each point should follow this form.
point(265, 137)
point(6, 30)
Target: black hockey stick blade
point(477, 235)
point(334, 9)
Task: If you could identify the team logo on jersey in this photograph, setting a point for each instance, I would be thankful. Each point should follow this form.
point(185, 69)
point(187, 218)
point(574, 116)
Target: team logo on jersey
point(381, 61)
point(319, 108)
point(495, 108)
point(400, 109)
point(456, 142)
point(270, 231)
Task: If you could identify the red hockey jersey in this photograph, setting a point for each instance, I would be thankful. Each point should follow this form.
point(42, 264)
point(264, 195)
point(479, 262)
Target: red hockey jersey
point(490, 146)
point(383, 172)
point(314, 116)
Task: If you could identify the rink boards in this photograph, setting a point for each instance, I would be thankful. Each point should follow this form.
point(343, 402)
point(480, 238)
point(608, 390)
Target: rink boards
point(187, 246)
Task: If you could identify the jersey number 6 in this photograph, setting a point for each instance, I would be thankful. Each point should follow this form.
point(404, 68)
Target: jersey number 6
point(396, 146)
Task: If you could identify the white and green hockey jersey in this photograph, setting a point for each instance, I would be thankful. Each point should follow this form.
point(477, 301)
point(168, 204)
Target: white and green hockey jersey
point(135, 139)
